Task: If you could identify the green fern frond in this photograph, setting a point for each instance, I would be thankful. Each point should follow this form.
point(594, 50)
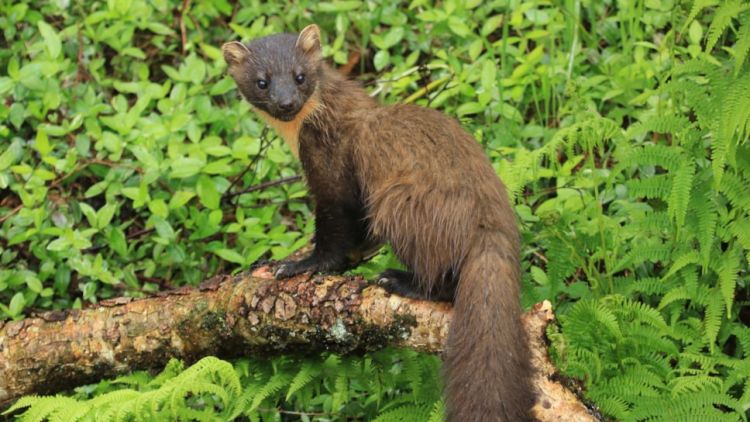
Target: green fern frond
point(706, 212)
point(670, 158)
point(644, 286)
point(614, 406)
point(340, 392)
point(728, 275)
point(272, 386)
point(690, 257)
point(678, 293)
point(682, 183)
point(404, 413)
point(638, 312)
point(656, 222)
point(698, 6)
point(734, 119)
point(712, 317)
point(586, 312)
point(736, 188)
point(43, 408)
point(306, 374)
point(692, 384)
point(672, 124)
point(742, 46)
point(655, 187)
point(721, 19)
point(437, 414)
point(172, 369)
point(692, 407)
point(740, 229)
point(652, 252)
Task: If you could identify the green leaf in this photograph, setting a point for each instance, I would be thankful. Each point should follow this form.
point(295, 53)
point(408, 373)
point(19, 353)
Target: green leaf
point(118, 242)
point(491, 24)
point(6, 84)
point(89, 212)
point(338, 6)
point(51, 39)
point(158, 207)
point(186, 167)
point(207, 192)
point(469, 108)
point(163, 228)
point(458, 26)
point(230, 255)
point(381, 60)
point(104, 215)
point(34, 284)
point(180, 198)
point(16, 304)
point(11, 155)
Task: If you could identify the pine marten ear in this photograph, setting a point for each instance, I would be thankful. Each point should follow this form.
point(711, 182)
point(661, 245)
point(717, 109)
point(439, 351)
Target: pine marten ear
point(235, 53)
point(309, 40)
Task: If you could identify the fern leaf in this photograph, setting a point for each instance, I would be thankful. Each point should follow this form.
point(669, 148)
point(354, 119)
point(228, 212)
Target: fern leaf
point(654, 187)
point(276, 383)
point(698, 6)
point(437, 414)
point(712, 318)
point(43, 408)
point(678, 293)
point(742, 46)
point(404, 413)
point(722, 18)
point(737, 189)
point(682, 183)
point(305, 375)
point(683, 385)
point(728, 274)
point(691, 257)
point(707, 215)
point(740, 229)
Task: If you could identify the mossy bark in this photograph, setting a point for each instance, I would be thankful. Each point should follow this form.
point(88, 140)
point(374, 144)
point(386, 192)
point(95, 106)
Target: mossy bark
point(224, 316)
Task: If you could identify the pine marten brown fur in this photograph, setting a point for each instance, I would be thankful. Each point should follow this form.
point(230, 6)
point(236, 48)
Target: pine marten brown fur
point(412, 177)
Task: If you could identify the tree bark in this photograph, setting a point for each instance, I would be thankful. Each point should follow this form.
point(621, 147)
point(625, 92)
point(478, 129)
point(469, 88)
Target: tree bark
point(250, 313)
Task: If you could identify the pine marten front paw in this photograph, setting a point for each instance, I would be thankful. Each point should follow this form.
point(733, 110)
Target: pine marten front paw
point(400, 283)
point(286, 269)
point(312, 264)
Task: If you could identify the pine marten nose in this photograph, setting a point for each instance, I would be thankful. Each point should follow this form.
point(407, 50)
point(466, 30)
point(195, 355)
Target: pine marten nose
point(286, 105)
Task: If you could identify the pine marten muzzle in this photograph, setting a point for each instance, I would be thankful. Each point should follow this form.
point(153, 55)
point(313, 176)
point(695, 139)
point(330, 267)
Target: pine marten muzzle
point(412, 177)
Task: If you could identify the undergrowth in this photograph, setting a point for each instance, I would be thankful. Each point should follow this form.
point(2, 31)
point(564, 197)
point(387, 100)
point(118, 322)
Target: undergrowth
point(620, 129)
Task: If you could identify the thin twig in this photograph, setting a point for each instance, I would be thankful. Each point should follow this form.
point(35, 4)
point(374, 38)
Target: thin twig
point(97, 248)
point(292, 412)
point(265, 185)
point(11, 213)
point(263, 135)
point(183, 32)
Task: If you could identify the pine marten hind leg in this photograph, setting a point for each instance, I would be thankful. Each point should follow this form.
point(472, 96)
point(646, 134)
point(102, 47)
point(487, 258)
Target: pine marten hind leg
point(405, 283)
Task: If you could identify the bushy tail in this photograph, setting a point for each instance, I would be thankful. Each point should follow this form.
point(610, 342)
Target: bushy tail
point(487, 364)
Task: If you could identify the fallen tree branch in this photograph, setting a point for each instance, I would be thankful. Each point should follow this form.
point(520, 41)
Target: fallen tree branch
point(233, 316)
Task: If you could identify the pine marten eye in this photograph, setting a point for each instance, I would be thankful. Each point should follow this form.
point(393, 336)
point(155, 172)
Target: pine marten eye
point(300, 79)
point(262, 83)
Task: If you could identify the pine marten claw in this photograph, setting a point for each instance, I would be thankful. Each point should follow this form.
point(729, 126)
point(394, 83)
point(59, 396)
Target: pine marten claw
point(286, 270)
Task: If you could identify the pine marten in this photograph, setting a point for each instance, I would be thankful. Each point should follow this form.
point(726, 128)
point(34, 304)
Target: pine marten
point(412, 177)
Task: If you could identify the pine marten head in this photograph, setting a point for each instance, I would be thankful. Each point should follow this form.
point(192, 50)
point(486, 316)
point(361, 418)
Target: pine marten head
point(277, 74)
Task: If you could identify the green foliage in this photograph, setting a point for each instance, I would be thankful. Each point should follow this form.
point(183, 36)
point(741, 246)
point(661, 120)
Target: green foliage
point(620, 129)
point(394, 382)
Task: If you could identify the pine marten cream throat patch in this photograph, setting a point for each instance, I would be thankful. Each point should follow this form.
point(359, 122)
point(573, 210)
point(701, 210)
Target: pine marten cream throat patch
point(289, 131)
